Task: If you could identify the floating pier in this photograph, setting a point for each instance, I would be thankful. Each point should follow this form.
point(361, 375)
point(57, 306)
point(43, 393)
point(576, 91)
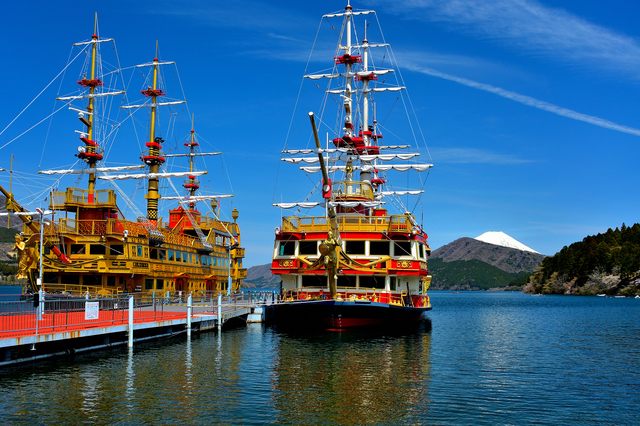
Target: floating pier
point(60, 326)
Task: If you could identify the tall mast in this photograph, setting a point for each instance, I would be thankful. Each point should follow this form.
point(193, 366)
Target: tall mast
point(153, 157)
point(192, 184)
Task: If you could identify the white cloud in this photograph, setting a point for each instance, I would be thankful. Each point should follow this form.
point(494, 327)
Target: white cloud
point(527, 100)
point(472, 156)
point(532, 28)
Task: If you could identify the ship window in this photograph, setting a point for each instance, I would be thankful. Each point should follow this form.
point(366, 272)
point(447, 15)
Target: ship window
point(178, 256)
point(77, 249)
point(170, 253)
point(159, 284)
point(346, 281)
point(402, 248)
point(309, 247)
point(162, 254)
point(392, 283)
point(148, 284)
point(92, 280)
point(195, 259)
point(354, 247)
point(185, 257)
point(153, 253)
point(287, 248)
point(379, 248)
point(50, 278)
point(314, 281)
point(70, 279)
point(116, 249)
point(97, 249)
point(139, 251)
point(371, 281)
point(111, 281)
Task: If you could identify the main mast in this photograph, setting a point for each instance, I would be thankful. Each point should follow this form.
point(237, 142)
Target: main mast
point(153, 157)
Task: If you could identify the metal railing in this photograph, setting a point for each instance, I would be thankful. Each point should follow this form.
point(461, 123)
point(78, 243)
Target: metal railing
point(395, 223)
point(61, 313)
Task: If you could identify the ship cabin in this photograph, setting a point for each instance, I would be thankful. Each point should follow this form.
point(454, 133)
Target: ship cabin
point(382, 257)
point(110, 255)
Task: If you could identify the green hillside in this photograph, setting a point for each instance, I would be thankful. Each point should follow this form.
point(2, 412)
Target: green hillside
point(7, 235)
point(606, 263)
point(470, 275)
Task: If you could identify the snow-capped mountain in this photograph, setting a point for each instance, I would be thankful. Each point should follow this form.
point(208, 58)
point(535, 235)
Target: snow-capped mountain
point(502, 239)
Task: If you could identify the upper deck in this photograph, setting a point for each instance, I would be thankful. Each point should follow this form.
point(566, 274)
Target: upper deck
point(349, 223)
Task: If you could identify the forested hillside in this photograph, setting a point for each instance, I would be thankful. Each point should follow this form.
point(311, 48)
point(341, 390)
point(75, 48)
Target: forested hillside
point(606, 263)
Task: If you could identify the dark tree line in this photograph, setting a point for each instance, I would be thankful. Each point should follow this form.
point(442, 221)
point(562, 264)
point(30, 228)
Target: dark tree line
point(615, 252)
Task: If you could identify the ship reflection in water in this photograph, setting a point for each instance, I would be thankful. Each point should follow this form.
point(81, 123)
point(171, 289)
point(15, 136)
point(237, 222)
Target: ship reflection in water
point(354, 377)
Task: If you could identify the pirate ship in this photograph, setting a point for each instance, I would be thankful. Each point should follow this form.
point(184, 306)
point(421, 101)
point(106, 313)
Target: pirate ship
point(87, 244)
point(357, 263)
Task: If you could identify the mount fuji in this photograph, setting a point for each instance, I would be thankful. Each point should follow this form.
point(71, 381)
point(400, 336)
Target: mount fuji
point(502, 239)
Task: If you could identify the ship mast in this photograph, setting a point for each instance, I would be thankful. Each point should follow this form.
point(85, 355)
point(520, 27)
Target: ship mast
point(153, 157)
point(330, 247)
point(192, 184)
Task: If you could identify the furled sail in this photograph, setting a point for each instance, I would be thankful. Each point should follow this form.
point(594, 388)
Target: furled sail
point(151, 175)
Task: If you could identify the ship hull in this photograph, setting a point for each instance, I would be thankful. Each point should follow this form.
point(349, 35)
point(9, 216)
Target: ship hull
point(339, 315)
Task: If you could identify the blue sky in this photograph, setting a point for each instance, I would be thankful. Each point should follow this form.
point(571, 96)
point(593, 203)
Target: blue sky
point(528, 108)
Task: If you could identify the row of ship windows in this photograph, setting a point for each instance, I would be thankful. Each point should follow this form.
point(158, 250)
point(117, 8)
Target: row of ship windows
point(156, 254)
point(362, 248)
point(112, 281)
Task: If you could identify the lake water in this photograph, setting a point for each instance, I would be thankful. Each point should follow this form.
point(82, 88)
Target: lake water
point(481, 358)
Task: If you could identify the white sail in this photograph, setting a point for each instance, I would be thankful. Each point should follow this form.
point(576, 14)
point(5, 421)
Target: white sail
point(157, 104)
point(198, 197)
point(84, 43)
point(26, 213)
point(405, 192)
point(195, 154)
point(377, 89)
point(355, 203)
point(150, 64)
point(334, 15)
point(95, 95)
point(304, 205)
point(333, 150)
point(348, 75)
point(152, 175)
point(90, 171)
point(379, 167)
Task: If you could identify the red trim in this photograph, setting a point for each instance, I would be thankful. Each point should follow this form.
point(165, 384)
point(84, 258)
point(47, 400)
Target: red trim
point(153, 145)
point(151, 92)
point(90, 83)
point(147, 158)
point(89, 155)
point(88, 141)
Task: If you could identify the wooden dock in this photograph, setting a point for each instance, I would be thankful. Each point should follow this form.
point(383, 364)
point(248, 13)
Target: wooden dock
point(65, 327)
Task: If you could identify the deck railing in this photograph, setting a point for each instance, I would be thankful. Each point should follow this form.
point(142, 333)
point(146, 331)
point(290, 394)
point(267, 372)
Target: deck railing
point(355, 223)
point(349, 294)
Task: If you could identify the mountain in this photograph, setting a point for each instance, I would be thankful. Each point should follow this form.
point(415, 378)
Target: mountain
point(511, 260)
point(502, 239)
point(472, 264)
point(261, 277)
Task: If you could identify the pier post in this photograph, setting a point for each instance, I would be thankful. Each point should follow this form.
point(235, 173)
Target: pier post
point(220, 310)
point(189, 308)
point(130, 344)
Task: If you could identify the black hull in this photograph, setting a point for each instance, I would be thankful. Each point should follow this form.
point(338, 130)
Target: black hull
point(333, 314)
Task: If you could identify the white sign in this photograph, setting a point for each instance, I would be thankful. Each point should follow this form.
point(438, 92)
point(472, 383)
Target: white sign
point(91, 310)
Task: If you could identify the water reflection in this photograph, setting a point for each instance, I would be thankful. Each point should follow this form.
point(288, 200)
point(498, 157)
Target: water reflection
point(353, 377)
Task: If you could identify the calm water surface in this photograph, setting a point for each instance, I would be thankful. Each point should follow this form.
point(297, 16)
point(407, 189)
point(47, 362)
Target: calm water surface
point(481, 358)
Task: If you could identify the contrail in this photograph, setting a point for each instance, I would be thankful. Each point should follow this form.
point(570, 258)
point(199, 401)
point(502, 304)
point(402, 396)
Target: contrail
point(527, 100)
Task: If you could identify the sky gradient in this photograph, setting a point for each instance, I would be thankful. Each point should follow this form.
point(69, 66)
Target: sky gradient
point(528, 108)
